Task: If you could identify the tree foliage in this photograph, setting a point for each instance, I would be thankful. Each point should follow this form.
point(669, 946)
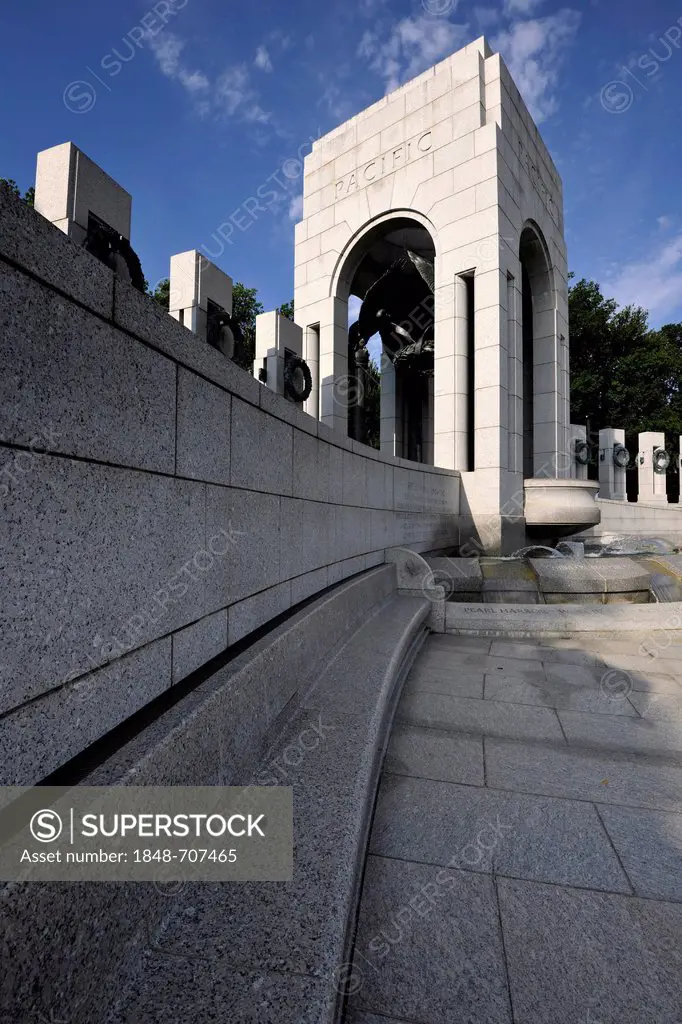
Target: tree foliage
point(623, 374)
point(161, 293)
point(287, 309)
point(245, 309)
point(11, 186)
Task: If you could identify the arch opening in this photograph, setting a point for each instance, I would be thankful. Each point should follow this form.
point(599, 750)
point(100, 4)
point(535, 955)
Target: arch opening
point(390, 270)
point(538, 350)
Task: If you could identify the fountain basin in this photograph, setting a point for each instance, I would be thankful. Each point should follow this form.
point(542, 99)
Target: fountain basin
point(557, 508)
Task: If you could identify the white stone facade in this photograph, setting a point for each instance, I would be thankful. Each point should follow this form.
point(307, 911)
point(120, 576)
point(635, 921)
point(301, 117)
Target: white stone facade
point(456, 151)
point(195, 282)
point(70, 187)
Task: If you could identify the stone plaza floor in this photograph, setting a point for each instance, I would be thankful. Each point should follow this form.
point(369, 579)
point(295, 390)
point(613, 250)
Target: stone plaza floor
point(525, 861)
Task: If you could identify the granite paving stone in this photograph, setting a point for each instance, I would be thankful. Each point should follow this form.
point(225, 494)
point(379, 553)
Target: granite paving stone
point(654, 682)
point(659, 706)
point(611, 732)
point(588, 957)
point(428, 948)
point(583, 774)
point(478, 829)
point(456, 683)
point(509, 649)
point(649, 844)
point(474, 661)
point(430, 754)
point(551, 693)
point(454, 644)
point(492, 718)
point(568, 652)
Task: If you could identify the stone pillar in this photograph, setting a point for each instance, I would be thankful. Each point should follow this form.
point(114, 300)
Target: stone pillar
point(388, 408)
point(334, 380)
point(427, 424)
point(461, 375)
point(276, 336)
point(652, 484)
point(548, 438)
point(611, 465)
point(197, 290)
point(311, 354)
point(514, 376)
point(72, 191)
point(577, 443)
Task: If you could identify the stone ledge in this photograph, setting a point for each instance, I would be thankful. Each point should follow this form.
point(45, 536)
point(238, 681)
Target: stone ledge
point(529, 620)
point(108, 931)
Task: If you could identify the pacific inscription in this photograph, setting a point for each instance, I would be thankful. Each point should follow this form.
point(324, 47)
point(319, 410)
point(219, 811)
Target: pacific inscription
point(384, 164)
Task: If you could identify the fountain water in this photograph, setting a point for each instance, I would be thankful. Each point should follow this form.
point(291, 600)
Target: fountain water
point(572, 548)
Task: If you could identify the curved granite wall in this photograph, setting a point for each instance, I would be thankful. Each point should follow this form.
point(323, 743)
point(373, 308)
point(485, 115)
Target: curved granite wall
point(158, 503)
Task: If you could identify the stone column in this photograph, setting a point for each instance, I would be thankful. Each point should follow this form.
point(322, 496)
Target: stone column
point(652, 485)
point(387, 403)
point(514, 376)
point(461, 375)
point(611, 475)
point(427, 424)
point(334, 380)
point(444, 376)
point(576, 442)
point(548, 437)
point(311, 354)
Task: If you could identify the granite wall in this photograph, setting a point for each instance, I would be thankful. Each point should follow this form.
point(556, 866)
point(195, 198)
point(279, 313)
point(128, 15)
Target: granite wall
point(640, 519)
point(158, 503)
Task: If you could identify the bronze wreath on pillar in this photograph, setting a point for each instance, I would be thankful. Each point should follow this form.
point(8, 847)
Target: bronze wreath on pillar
point(115, 252)
point(298, 380)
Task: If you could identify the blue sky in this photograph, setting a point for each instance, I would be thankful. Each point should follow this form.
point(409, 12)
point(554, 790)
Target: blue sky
point(213, 98)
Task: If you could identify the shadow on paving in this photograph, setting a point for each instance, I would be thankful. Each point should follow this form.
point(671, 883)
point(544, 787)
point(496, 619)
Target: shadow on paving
point(525, 861)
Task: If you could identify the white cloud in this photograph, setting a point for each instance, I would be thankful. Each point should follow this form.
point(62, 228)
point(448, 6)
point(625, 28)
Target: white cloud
point(262, 59)
point(282, 39)
point(231, 93)
point(234, 95)
point(522, 7)
point(413, 45)
point(654, 283)
point(167, 51)
point(296, 208)
point(533, 52)
point(664, 222)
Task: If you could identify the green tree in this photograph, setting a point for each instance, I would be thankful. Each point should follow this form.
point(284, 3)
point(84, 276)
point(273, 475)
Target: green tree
point(287, 309)
point(11, 186)
point(161, 293)
point(601, 337)
point(623, 374)
point(245, 309)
